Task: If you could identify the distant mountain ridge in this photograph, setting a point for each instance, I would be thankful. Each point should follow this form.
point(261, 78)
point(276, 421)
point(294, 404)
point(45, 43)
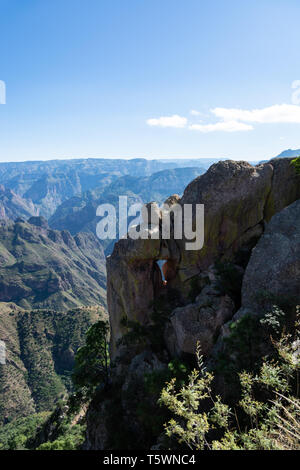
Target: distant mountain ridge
point(78, 214)
point(289, 153)
point(49, 183)
point(285, 154)
point(67, 192)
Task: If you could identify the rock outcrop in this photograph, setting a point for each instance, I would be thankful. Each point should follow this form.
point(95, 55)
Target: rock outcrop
point(238, 199)
point(273, 272)
point(39, 222)
point(198, 322)
point(272, 276)
point(121, 410)
point(156, 323)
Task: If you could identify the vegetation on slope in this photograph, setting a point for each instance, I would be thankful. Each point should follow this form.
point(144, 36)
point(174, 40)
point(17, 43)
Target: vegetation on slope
point(43, 268)
point(41, 346)
point(64, 428)
point(18, 434)
point(296, 164)
point(266, 415)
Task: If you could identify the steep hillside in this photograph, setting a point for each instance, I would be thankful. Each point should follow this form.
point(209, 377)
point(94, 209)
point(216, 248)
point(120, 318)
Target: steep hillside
point(40, 348)
point(52, 289)
point(13, 206)
point(44, 268)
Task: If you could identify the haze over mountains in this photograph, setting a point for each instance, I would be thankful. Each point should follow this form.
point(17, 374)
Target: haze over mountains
point(79, 213)
point(68, 192)
point(68, 186)
point(48, 184)
point(289, 153)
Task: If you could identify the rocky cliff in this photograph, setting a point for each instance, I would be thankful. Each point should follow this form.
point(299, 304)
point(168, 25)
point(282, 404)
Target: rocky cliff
point(249, 261)
point(239, 200)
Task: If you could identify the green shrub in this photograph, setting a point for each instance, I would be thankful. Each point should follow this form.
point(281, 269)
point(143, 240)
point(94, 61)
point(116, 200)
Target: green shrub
point(18, 434)
point(266, 416)
point(296, 163)
point(92, 360)
point(72, 439)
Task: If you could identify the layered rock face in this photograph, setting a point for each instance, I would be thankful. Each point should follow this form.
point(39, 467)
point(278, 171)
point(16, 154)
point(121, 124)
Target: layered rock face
point(239, 200)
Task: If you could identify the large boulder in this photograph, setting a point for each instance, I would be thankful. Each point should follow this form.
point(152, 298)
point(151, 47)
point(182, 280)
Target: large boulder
point(199, 322)
point(285, 187)
point(273, 272)
point(272, 276)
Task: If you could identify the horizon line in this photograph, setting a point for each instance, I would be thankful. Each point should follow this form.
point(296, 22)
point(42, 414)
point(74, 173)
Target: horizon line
point(132, 158)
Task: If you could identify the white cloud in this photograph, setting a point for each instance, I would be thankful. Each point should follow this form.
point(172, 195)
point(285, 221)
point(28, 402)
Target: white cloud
point(278, 113)
point(168, 121)
point(235, 119)
point(194, 112)
point(225, 126)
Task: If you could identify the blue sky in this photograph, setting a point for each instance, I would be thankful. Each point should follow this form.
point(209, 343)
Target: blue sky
point(149, 78)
